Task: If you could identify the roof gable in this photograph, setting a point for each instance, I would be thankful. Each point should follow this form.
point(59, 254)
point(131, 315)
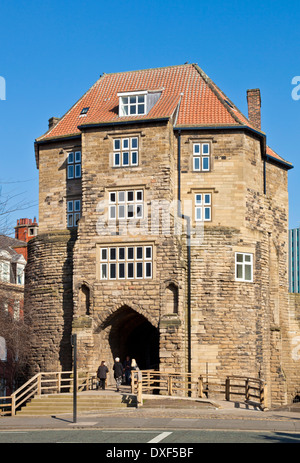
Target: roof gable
point(201, 102)
point(185, 90)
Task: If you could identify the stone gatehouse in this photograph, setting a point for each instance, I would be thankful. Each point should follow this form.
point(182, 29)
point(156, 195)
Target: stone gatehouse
point(163, 228)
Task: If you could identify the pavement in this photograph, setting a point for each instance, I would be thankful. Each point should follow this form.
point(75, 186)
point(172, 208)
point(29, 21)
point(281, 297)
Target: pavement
point(164, 412)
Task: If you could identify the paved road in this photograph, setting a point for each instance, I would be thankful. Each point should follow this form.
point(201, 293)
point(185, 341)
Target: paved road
point(231, 422)
point(155, 438)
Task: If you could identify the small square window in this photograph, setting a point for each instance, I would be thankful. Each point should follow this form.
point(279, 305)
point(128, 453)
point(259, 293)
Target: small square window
point(84, 111)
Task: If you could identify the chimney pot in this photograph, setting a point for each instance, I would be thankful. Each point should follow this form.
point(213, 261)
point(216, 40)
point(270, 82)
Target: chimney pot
point(254, 105)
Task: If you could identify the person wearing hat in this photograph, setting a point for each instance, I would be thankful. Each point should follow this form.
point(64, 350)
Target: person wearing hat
point(118, 372)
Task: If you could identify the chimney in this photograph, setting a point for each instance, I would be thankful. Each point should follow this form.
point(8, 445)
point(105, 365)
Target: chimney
point(52, 121)
point(254, 104)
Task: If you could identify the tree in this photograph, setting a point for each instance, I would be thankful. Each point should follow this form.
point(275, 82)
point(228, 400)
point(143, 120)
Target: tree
point(11, 202)
point(16, 334)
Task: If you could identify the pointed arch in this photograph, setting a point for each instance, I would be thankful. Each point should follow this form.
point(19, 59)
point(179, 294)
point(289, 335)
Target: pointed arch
point(127, 331)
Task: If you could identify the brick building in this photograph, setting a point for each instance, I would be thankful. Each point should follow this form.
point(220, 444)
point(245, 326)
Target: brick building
point(163, 229)
point(13, 255)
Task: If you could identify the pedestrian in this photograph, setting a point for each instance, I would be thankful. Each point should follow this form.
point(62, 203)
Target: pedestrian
point(118, 372)
point(134, 365)
point(101, 374)
point(127, 370)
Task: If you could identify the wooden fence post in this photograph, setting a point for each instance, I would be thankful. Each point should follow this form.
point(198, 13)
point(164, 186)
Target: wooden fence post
point(170, 385)
point(227, 388)
point(200, 386)
point(139, 388)
point(39, 384)
point(262, 397)
point(13, 405)
point(247, 389)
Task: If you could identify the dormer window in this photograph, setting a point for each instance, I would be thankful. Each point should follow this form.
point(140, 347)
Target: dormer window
point(132, 104)
point(137, 103)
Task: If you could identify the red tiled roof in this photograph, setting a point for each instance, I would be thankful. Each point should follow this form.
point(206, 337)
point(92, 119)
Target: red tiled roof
point(201, 102)
point(276, 156)
point(186, 87)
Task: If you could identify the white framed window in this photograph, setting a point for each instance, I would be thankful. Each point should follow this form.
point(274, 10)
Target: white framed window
point(203, 207)
point(243, 266)
point(20, 274)
point(73, 212)
point(132, 103)
point(126, 204)
point(201, 157)
point(5, 271)
point(74, 165)
point(126, 262)
point(126, 152)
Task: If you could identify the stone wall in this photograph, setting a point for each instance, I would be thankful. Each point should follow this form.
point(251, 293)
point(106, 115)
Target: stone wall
point(242, 328)
point(49, 300)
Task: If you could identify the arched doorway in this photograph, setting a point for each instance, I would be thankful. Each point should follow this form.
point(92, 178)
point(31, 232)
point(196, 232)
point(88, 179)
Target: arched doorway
point(132, 334)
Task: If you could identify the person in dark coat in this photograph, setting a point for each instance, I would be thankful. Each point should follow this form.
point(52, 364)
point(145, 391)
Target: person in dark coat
point(101, 374)
point(118, 372)
point(127, 370)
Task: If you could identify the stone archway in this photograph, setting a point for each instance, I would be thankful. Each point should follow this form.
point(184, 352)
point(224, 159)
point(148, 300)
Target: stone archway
point(130, 333)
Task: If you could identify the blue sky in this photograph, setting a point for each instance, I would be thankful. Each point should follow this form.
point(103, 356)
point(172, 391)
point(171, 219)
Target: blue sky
point(52, 52)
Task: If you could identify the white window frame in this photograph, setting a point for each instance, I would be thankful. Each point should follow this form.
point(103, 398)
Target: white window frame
point(126, 101)
point(203, 204)
point(199, 156)
point(122, 150)
point(117, 203)
point(74, 165)
point(137, 262)
point(20, 274)
point(73, 212)
point(242, 266)
point(5, 271)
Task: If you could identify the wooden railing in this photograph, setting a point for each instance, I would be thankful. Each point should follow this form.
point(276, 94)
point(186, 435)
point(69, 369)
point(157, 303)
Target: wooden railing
point(183, 384)
point(252, 389)
point(44, 383)
point(168, 383)
point(142, 382)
